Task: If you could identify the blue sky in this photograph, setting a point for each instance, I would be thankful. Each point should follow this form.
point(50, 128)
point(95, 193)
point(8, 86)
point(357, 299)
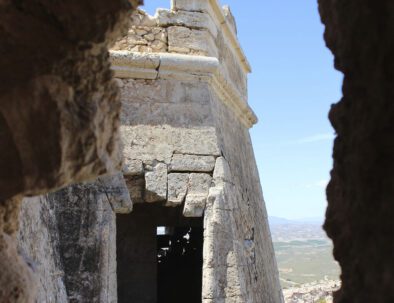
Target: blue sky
point(291, 89)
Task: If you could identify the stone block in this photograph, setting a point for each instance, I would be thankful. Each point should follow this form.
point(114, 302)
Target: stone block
point(199, 184)
point(194, 206)
point(136, 187)
point(222, 171)
point(191, 41)
point(191, 5)
point(159, 143)
point(115, 190)
point(192, 163)
point(196, 198)
point(156, 184)
point(196, 20)
point(132, 167)
point(177, 188)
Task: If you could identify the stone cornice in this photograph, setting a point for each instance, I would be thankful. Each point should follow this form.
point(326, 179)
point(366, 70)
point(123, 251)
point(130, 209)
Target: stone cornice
point(127, 64)
point(231, 35)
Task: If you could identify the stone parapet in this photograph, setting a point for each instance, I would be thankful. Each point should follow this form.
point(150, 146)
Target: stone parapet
point(199, 28)
point(222, 20)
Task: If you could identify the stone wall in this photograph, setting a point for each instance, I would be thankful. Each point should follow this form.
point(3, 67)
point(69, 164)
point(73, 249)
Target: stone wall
point(185, 123)
point(69, 238)
point(144, 35)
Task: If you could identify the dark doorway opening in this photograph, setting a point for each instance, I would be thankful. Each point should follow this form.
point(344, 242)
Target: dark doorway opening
point(180, 265)
point(159, 265)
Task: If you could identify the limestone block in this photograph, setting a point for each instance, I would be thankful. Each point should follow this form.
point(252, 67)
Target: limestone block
point(136, 187)
point(178, 115)
point(115, 190)
point(191, 5)
point(136, 39)
point(192, 163)
point(159, 91)
point(190, 41)
point(177, 188)
point(38, 240)
point(194, 206)
point(159, 143)
point(149, 37)
point(132, 167)
point(222, 171)
point(156, 183)
point(199, 184)
point(194, 20)
point(126, 62)
point(196, 198)
point(200, 141)
point(86, 230)
point(158, 44)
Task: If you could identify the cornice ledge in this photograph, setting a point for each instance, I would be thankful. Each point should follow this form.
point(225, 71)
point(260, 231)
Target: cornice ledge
point(134, 65)
point(232, 36)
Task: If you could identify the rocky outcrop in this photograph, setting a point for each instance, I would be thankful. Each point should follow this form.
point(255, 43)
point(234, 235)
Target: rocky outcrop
point(359, 217)
point(58, 109)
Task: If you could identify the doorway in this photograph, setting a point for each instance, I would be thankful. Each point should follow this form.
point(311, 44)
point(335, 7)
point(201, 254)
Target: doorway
point(159, 255)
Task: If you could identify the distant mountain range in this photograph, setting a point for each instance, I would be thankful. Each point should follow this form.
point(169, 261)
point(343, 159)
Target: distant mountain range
point(282, 221)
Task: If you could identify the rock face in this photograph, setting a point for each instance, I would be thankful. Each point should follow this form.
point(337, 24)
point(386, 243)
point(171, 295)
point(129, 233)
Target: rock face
point(70, 238)
point(58, 109)
point(188, 166)
point(361, 190)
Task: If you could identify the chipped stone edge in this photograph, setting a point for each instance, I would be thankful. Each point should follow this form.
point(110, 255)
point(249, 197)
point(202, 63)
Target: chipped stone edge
point(127, 64)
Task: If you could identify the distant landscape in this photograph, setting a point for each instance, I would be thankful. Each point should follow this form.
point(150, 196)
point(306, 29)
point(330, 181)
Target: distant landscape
point(303, 251)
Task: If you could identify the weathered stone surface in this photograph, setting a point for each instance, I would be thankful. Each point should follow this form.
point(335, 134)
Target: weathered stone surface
point(194, 205)
point(70, 235)
point(67, 130)
point(222, 171)
point(115, 189)
point(159, 143)
point(156, 183)
point(165, 102)
point(197, 195)
point(86, 224)
point(190, 41)
point(177, 188)
point(38, 239)
point(359, 217)
point(16, 279)
point(191, 5)
point(58, 108)
point(199, 184)
point(136, 187)
point(132, 167)
point(181, 162)
point(144, 36)
point(230, 18)
point(194, 20)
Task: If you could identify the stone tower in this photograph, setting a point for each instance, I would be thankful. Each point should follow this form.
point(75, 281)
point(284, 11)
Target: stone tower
point(185, 221)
